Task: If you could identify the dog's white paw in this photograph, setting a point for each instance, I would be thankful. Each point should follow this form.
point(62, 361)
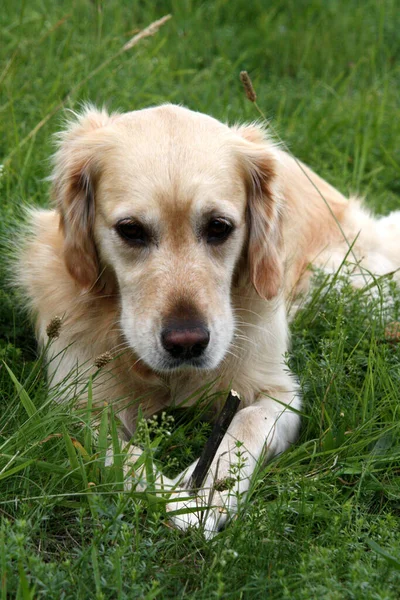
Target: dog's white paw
point(201, 511)
point(217, 502)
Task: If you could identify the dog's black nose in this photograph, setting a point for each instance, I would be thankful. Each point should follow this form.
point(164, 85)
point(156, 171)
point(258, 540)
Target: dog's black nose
point(185, 342)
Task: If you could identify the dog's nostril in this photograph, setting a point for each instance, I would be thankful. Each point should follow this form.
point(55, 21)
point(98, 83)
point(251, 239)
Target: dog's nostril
point(197, 349)
point(185, 343)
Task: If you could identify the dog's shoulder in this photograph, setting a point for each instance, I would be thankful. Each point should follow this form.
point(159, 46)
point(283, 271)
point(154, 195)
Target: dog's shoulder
point(40, 271)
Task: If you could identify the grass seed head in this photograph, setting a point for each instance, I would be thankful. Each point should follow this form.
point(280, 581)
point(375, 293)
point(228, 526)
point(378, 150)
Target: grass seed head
point(248, 86)
point(53, 328)
point(103, 359)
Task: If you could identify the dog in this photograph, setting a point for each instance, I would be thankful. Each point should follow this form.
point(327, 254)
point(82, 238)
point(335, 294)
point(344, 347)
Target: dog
point(180, 245)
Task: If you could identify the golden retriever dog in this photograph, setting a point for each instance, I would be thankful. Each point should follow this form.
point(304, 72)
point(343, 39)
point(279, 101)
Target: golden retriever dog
point(178, 243)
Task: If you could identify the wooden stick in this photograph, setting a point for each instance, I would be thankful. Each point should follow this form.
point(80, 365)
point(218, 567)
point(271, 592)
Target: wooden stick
point(218, 431)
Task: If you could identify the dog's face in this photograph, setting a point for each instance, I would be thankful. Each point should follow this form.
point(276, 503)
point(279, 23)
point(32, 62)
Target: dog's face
point(170, 202)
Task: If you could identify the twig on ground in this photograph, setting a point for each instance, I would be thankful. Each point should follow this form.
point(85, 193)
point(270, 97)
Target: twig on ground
point(218, 431)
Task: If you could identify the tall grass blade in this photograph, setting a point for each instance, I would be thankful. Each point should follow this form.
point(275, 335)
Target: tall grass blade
point(394, 562)
point(103, 436)
point(5, 474)
point(73, 460)
point(23, 394)
point(24, 592)
point(118, 465)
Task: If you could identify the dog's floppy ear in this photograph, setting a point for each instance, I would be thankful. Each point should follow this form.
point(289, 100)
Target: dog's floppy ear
point(76, 168)
point(264, 251)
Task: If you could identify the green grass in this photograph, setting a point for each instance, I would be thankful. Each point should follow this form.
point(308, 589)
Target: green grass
point(323, 519)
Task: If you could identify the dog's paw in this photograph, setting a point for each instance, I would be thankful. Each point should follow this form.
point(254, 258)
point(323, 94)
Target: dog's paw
point(202, 511)
point(218, 501)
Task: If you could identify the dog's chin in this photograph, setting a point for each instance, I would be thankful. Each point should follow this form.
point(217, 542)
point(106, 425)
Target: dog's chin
point(168, 365)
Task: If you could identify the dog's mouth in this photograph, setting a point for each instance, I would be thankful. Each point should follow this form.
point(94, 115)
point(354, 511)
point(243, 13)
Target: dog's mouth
point(184, 364)
point(162, 361)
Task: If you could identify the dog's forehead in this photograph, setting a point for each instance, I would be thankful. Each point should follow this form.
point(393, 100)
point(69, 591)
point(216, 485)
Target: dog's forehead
point(170, 158)
point(170, 119)
point(175, 138)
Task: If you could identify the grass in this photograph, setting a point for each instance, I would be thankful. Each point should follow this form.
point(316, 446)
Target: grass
point(323, 519)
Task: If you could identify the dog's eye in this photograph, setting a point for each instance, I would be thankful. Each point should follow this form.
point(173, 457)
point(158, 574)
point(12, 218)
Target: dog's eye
point(132, 232)
point(218, 230)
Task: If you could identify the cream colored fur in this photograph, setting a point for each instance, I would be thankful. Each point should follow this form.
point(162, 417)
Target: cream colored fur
point(172, 169)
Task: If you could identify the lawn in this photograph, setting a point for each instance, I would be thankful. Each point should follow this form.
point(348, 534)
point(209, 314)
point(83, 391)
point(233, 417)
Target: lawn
point(322, 520)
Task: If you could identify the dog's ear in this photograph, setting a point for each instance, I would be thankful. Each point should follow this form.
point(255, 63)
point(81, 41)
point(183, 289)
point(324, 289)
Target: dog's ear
point(76, 168)
point(264, 251)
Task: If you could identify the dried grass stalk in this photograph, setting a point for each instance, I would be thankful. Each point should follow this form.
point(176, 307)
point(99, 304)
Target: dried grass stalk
point(146, 32)
point(248, 86)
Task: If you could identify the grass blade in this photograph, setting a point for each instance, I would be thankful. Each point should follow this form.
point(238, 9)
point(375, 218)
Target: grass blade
point(103, 436)
point(118, 466)
point(88, 430)
point(394, 562)
point(5, 474)
point(24, 590)
point(70, 451)
point(96, 573)
point(22, 393)
point(3, 563)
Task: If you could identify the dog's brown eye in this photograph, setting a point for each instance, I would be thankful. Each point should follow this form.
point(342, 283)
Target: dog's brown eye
point(218, 230)
point(134, 233)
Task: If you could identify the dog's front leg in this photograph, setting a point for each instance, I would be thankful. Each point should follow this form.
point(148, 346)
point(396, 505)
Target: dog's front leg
point(257, 432)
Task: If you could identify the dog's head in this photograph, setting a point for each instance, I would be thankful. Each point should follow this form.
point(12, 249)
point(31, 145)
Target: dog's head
point(171, 203)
